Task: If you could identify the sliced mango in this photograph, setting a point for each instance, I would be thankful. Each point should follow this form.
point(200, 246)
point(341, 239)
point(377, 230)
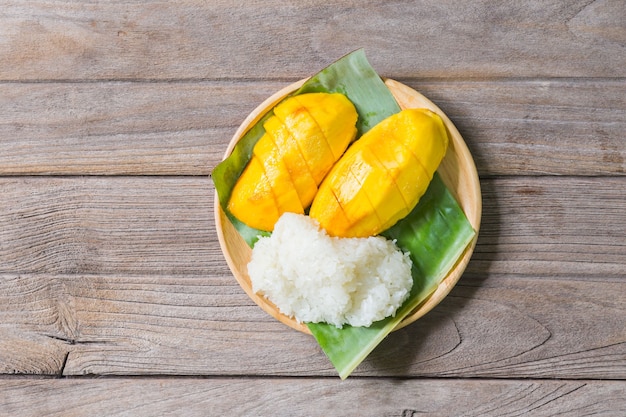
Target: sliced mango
point(387, 170)
point(258, 194)
point(303, 139)
point(412, 179)
point(286, 146)
point(329, 209)
point(383, 192)
point(353, 198)
point(276, 172)
point(323, 109)
point(310, 118)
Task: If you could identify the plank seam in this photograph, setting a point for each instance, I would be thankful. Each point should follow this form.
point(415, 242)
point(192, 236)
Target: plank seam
point(290, 80)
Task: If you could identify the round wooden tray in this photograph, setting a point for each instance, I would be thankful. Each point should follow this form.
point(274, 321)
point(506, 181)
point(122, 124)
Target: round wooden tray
point(457, 170)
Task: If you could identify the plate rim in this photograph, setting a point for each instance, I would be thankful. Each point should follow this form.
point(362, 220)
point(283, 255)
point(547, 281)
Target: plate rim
point(406, 97)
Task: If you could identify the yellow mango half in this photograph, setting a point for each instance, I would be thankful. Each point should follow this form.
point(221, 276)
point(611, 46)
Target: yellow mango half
point(303, 139)
point(258, 194)
point(323, 126)
point(283, 146)
point(382, 176)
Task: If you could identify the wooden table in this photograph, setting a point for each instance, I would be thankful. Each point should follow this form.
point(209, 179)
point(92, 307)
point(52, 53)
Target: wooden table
point(115, 298)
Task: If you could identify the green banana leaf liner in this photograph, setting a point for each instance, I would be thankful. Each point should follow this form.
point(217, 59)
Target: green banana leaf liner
point(435, 233)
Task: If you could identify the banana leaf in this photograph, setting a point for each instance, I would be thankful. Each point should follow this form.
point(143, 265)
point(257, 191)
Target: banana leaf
point(435, 233)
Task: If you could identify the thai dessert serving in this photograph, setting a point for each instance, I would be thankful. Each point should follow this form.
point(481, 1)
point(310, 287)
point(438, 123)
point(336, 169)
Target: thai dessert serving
point(336, 191)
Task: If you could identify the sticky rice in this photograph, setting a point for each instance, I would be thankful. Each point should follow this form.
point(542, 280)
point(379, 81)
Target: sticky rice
point(315, 278)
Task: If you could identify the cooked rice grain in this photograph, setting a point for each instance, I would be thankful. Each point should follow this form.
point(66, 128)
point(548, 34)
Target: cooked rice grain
point(317, 278)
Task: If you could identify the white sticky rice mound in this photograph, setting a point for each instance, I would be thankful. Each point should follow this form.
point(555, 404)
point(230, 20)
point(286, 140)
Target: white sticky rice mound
point(316, 278)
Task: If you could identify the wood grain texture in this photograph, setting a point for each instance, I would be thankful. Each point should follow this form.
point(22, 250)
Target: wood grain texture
point(123, 275)
point(113, 114)
point(527, 127)
point(212, 40)
point(538, 127)
point(108, 225)
point(119, 127)
point(571, 227)
point(142, 325)
point(277, 397)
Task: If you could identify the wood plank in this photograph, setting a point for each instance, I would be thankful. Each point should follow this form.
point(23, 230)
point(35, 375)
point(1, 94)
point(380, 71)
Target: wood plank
point(534, 226)
point(552, 227)
point(147, 325)
point(108, 225)
point(538, 127)
point(65, 40)
point(121, 128)
point(277, 397)
point(527, 127)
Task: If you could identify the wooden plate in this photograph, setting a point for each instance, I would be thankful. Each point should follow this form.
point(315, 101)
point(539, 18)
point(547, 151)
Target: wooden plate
point(457, 171)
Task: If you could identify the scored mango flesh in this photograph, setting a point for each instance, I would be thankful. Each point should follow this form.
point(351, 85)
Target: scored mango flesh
point(303, 139)
point(382, 176)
